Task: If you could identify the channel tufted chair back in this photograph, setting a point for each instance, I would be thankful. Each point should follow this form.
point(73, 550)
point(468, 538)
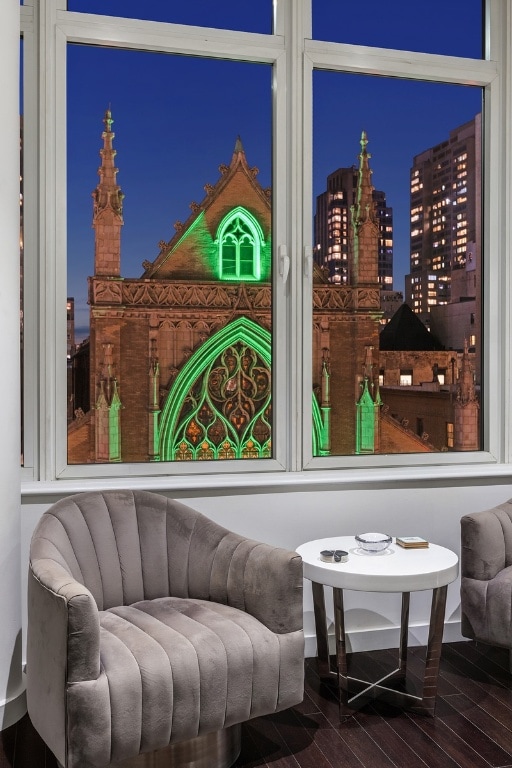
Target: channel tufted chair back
point(150, 627)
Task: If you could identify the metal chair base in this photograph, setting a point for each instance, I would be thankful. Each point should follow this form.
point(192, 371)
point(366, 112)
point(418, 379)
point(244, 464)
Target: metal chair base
point(219, 749)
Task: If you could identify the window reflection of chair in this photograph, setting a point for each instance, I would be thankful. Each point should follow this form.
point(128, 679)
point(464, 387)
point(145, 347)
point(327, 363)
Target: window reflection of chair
point(150, 627)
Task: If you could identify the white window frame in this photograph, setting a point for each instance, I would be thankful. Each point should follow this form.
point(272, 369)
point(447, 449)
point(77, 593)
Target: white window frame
point(294, 56)
point(60, 27)
point(492, 78)
point(30, 240)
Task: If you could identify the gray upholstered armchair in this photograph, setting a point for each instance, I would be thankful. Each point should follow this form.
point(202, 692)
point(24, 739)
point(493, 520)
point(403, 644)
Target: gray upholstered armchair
point(486, 575)
point(151, 627)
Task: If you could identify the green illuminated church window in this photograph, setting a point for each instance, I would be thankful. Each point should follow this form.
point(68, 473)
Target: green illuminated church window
point(220, 404)
point(240, 240)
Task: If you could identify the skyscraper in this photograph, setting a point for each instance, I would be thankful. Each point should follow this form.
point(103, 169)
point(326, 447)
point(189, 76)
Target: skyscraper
point(332, 228)
point(445, 220)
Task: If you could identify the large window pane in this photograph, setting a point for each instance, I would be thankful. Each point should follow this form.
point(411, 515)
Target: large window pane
point(397, 241)
point(226, 14)
point(453, 28)
point(171, 358)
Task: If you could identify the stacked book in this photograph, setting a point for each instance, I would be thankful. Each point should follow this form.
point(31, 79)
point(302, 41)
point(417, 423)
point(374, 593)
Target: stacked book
point(412, 542)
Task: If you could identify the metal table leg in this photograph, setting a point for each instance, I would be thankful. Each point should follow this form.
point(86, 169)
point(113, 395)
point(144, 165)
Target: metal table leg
point(434, 647)
point(322, 637)
point(354, 693)
point(404, 633)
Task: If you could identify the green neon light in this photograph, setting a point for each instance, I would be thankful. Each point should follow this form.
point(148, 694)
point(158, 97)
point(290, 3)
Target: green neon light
point(240, 244)
point(114, 430)
point(155, 436)
point(187, 232)
point(321, 429)
point(228, 404)
point(227, 408)
point(205, 244)
point(365, 422)
point(184, 402)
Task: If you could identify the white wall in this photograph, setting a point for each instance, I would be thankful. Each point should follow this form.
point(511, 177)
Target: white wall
point(12, 695)
point(291, 517)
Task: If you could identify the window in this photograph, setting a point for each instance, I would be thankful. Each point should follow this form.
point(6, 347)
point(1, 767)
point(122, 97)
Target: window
point(220, 405)
point(406, 378)
point(449, 435)
point(255, 18)
point(223, 316)
point(454, 29)
point(144, 336)
point(378, 178)
point(241, 243)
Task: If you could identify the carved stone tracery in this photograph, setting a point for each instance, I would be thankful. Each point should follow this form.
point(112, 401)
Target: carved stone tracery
point(155, 293)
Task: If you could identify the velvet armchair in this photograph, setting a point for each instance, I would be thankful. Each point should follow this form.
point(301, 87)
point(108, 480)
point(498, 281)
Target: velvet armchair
point(486, 575)
point(151, 627)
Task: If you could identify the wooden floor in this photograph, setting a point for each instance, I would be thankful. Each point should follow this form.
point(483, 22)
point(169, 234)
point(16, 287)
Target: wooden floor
point(472, 727)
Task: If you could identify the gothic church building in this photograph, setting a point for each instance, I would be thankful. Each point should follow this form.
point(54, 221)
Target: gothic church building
point(180, 359)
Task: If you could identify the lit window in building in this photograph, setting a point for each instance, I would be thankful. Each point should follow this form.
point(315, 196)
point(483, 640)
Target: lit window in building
point(406, 378)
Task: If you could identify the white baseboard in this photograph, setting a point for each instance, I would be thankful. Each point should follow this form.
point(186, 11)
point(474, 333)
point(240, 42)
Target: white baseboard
point(387, 637)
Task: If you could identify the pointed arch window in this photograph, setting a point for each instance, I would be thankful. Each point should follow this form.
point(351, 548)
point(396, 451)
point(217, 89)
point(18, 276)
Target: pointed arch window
point(220, 404)
point(240, 241)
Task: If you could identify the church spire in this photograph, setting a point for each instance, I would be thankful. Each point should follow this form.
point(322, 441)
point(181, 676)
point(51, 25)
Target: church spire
point(108, 208)
point(466, 390)
point(365, 228)
point(466, 409)
point(365, 205)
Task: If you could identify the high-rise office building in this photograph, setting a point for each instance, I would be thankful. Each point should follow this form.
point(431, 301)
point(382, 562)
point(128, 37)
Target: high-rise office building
point(445, 220)
point(332, 228)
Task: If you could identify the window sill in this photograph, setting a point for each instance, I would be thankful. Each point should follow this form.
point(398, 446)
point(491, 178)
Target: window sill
point(395, 477)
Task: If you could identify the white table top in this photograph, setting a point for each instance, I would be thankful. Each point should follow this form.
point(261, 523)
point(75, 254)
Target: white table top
point(394, 570)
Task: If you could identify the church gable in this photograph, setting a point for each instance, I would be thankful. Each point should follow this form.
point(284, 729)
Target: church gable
point(198, 249)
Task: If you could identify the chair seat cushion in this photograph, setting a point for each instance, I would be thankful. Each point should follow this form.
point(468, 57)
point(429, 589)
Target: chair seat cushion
point(177, 668)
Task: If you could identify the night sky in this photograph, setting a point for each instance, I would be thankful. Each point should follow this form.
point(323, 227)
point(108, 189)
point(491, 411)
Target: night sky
point(176, 118)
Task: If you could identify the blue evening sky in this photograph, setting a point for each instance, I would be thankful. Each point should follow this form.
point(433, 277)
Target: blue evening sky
point(176, 118)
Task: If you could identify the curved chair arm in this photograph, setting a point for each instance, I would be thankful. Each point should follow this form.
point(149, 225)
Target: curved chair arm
point(62, 645)
point(67, 616)
point(272, 583)
point(261, 579)
point(483, 545)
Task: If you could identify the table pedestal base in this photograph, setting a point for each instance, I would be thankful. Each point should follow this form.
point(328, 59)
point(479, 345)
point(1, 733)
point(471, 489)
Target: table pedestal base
point(355, 693)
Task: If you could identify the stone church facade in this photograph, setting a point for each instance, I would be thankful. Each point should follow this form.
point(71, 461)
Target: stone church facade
point(180, 359)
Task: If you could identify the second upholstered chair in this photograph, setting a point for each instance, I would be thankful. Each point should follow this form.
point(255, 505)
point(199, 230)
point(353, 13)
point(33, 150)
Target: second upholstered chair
point(150, 627)
point(486, 575)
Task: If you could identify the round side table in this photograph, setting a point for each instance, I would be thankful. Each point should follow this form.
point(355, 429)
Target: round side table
point(397, 569)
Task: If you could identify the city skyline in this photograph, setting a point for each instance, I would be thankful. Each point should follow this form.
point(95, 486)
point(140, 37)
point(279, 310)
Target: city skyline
point(174, 127)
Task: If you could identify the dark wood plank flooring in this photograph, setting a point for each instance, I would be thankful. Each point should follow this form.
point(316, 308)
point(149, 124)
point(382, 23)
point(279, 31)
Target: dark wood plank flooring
point(472, 727)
